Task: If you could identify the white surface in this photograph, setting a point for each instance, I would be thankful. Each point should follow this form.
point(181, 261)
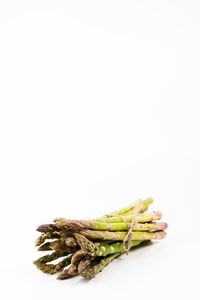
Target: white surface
point(100, 106)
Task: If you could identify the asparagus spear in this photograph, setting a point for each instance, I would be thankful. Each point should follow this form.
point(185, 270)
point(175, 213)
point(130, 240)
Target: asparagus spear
point(50, 257)
point(82, 224)
point(126, 208)
point(67, 273)
point(42, 265)
point(120, 235)
point(77, 256)
point(57, 245)
point(141, 218)
point(73, 270)
point(64, 275)
point(47, 228)
point(84, 263)
point(80, 254)
point(98, 266)
point(90, 248)
point(43, 237)
point(143, 207)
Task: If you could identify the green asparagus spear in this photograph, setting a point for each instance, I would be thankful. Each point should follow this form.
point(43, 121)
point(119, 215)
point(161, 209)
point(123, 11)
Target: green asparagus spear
point(120, 235)
point(90, 248)
point(82, 224)
point(43, 237)
point(141, 218)
point(98, 266)
point(143, 207)
point(42, 265)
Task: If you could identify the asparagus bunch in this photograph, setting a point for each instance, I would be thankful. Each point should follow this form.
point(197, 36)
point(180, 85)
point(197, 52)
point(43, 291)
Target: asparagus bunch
point(87, 246)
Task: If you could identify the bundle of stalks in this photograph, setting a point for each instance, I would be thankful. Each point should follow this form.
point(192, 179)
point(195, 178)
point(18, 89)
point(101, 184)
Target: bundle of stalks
point(87, 246)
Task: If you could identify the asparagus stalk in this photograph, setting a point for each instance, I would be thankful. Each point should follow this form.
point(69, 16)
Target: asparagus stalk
point(73, 224)
point(84, 263)
point(126, 208)
point(63, 263)
point(98, 266)
point(67, 273)
point(50, 257)
point(80, 254)
point(64, 275)
point(82, 224)
point(43, 237)
point(141, 218)
point(77, 256)
point(120, 235)
point(45, 247)
point(93, 250)
point(73, 270)
point(42, 265)
point(47, 228)
point(143, 207)
point(46, 268)
point(57, 245)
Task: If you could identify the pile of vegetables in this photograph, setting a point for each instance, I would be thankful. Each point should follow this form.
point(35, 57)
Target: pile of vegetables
point(85, 247)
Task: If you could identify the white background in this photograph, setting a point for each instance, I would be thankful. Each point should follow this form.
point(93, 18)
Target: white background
point(99, 105)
